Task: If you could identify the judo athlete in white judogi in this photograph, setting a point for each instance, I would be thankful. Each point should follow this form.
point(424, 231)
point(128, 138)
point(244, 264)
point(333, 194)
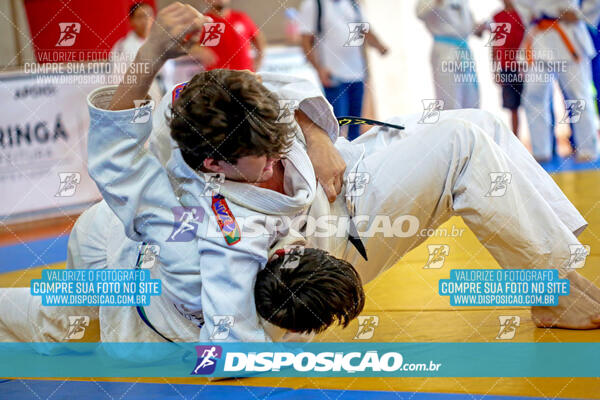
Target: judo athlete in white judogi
point(529, 226)
point(450, 22)
point(99, 239)
point(557, 45)
point(431, 172)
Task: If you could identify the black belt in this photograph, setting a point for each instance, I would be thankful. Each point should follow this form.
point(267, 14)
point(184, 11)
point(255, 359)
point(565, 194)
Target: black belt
point(347, 120)
point(140, 309)
point(353, 236)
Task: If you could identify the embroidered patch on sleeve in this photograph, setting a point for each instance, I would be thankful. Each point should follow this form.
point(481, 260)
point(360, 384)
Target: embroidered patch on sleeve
point(226, 220)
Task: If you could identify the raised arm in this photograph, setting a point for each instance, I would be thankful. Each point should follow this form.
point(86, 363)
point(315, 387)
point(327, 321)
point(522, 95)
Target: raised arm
point(176, 29)
point(132, 181)
point(130, 178)
point(202, 279)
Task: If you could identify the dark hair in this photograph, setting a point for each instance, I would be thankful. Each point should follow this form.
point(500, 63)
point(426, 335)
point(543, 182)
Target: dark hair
point(309, 298)
point(135, 6)
point(225, 115)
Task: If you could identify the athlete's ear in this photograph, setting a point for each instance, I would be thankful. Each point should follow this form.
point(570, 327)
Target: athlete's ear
point(212, 165)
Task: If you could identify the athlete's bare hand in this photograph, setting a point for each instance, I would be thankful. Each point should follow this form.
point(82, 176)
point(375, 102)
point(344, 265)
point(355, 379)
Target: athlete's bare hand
point(327, 162)
point(176, 28)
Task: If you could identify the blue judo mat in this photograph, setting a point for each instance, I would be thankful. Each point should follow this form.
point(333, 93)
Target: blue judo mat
point(25, 389)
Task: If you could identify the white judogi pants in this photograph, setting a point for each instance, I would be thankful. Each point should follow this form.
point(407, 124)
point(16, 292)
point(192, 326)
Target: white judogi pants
point(97, 241)
point(435, 171)
point(574, 82)
point(23, 318)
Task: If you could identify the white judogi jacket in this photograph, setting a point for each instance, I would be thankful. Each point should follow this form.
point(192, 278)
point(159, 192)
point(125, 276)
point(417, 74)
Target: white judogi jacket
point(453, 18)
point(548, 45)
point(204, 277)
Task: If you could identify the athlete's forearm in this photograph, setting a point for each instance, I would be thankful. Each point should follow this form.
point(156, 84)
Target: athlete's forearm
point(328, 163)
point(137, 80)
point(175, 30)
point(309, 128)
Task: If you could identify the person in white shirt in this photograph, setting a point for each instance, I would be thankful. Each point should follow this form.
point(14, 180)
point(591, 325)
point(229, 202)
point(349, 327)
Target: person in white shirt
point(450, 22)
point(333, 33)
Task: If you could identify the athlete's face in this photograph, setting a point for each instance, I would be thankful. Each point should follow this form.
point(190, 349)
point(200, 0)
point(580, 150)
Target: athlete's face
point(250, 169)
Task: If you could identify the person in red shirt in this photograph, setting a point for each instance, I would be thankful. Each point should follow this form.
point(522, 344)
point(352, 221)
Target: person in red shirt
point(507, 31)
point(229, 45)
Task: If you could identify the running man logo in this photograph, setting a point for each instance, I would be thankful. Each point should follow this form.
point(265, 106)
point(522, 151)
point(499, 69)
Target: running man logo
point(148, 255)
point(213, 182)
point(68, 183)
point(366, 327)
point(499, 182)
point(223, 324)
point(357, 183)
point(579, 253)
point(287, 108)
point(508, 326)
point(68, 33)
point(431, 111)
point(77, 325)
point(291, 256)
point(207, 359)
point(573, 110)
point(357, 33)
point(437, 255)
point(498, 33)
point(185, 225)
point(212, 34)
point(143, 111)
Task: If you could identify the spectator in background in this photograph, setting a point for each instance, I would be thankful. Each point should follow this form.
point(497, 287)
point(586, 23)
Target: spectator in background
point(236, 38)
point(333, 46)
point(451, 22)
point(558, 47)
point(507, 31)
point(141, 17)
